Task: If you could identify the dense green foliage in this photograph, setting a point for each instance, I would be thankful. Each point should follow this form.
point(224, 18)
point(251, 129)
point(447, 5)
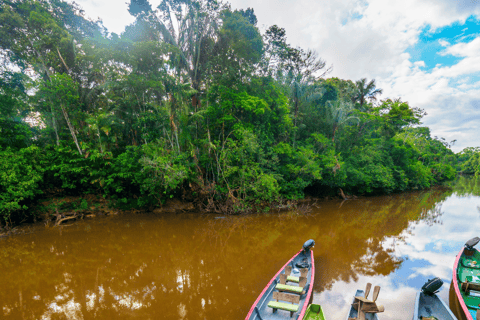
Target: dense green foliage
point(193, 101)
point(469, 161)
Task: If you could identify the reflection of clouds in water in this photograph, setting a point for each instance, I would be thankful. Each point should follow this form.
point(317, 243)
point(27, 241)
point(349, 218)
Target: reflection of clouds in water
point(71, 310)
point(428, 250)
point(439, 244)
point(398, 302)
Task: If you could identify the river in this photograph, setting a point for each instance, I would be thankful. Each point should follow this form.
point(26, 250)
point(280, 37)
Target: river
point(204, 266)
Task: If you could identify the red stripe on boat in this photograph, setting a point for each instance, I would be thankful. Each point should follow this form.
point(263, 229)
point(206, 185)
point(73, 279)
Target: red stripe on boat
point(457, 290)
point(310, 290)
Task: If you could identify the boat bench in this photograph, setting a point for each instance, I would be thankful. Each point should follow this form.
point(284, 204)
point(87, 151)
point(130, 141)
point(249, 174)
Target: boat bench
point(363, 305)
point(283, 286)
point(468, 285)
point(289, 305)
point(288, 271)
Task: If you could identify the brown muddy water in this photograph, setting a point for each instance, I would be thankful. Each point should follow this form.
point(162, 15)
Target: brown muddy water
point(203, 266)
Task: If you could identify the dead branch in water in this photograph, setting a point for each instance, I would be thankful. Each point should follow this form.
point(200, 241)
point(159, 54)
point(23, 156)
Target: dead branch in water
point(60, 220)
point(344, 197)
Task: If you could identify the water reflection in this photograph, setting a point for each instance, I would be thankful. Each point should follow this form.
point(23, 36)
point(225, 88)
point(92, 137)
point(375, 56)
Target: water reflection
point(428, 247)
point(466, 186)
point(194, 266)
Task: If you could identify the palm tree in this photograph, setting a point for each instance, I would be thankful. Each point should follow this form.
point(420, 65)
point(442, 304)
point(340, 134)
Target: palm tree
point(301, 90)
point(365, 91)
point(338, 113)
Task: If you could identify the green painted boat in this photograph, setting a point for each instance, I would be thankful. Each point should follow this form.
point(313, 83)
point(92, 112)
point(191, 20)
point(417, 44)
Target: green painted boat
point(466, 282)
point(314, 312)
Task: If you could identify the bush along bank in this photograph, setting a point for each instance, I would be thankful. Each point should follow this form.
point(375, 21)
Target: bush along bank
point(241, 176)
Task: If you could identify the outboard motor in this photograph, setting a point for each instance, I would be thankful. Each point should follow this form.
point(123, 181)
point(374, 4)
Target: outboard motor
point(469, 246)
point(432, 286)
point(309, 244)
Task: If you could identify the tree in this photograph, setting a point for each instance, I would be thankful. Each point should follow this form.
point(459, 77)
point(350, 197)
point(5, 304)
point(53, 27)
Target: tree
point(61, 91)
point(188, 26)
point(364, 91)
point(249, 14)
point(13, 106)
point(469, 160)
point(397, 115)
point(339, 113)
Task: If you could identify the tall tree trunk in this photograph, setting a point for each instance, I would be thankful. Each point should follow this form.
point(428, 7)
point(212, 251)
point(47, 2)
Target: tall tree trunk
point(72, 130)
point(334, 131)
point(295, 121)
point(54, 122)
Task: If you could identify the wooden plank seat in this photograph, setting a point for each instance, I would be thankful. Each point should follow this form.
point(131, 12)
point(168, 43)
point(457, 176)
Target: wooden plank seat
point(364, 305)
point(283, 286)
point(288, 305)
point(469, 284)
point(290, 278)
point(288, 288)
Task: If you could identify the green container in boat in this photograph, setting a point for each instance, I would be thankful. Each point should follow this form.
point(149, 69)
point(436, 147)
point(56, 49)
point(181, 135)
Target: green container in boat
point(314, 312)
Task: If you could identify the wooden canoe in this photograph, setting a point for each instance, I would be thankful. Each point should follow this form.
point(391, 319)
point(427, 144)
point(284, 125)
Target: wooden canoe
point(429, 306)
point(353, 314)
point(466, 281)
point(261, 310)
point(314, 312)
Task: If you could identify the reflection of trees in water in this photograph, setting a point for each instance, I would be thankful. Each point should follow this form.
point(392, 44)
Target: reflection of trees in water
point(365, 226)
point(432, 216)
point(197, 266)
point(466, 186)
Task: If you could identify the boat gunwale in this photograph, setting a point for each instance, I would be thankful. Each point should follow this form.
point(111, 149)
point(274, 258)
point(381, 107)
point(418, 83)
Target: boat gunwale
point(276, 275)
point(455, 286)
point(417, 305)
point(310, 290)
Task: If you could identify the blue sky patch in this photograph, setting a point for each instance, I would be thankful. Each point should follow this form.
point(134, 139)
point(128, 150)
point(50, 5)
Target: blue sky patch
point(428, 47)
point(351, 17)
point(401, 276)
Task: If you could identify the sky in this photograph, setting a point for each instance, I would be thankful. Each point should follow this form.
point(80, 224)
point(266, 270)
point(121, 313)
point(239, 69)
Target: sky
point(426, 52)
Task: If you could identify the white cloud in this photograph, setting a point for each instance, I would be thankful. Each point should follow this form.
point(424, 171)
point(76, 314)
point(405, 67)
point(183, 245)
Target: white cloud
point(114, 13)
point(464, 49)
point(450, 99)
point(443, 43)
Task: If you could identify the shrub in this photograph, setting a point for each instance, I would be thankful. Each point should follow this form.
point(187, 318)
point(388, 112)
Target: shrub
point(20, 176)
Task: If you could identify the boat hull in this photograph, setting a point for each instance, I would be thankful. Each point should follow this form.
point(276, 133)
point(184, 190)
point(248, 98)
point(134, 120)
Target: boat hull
point(431, 306)
point(260, 309)
point(455, 304)
point(465, 305)
point(314, 312)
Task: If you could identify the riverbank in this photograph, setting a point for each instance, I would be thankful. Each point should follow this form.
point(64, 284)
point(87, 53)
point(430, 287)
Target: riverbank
point(58, 211)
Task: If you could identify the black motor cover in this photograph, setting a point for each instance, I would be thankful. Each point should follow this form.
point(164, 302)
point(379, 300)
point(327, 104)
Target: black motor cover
point(308, 245)
point(432, 286)
point(471, 243)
